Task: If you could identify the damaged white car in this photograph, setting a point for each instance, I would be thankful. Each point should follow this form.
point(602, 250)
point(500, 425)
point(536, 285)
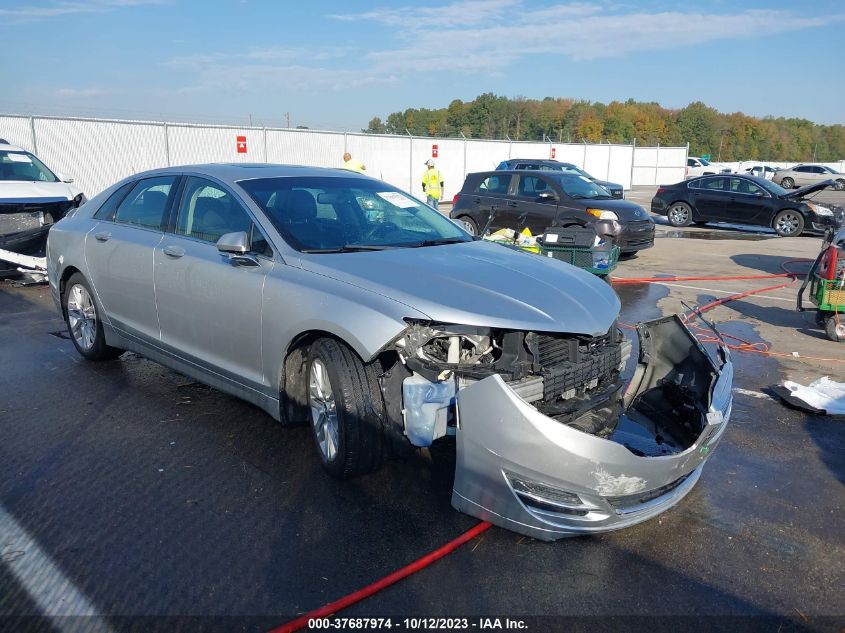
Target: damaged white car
point(336, 299)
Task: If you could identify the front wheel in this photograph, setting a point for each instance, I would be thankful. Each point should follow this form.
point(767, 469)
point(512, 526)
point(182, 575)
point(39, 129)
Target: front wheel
point(834, 326)
point(788, 223)
point(83, 321)
point(839, 185)
point(680, 214)
point(347, 410)
point(787, 183)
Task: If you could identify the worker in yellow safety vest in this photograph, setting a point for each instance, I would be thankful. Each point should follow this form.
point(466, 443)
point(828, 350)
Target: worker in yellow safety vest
point(352, 164)
point(432, 184)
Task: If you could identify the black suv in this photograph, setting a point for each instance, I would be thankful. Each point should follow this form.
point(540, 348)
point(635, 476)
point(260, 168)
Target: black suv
point(541, 199)
point(615, 189)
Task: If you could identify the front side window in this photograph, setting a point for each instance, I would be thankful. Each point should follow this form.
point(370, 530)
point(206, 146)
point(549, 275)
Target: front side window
point(740, 185)
point(803, 169)
point(494, 184)
point(532, 186)
point(691, 163)
point(529, 166)
point(146, 202)
point(327, 214)
point(207, 212)
point(24, 166)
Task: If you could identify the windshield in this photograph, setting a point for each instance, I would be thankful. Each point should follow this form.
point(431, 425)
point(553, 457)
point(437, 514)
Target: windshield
point(704, 162)
point(771, 187)
point(330, 214)
point(566, 168)
point(581, 187)
point(24, 166)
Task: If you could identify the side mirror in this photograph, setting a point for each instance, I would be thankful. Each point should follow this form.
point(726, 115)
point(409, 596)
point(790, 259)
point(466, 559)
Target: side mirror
point(67, 179)
point(546, 196)
point(236, 243)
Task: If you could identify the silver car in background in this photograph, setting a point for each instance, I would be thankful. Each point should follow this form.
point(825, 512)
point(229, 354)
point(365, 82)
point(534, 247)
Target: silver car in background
point(335, 299)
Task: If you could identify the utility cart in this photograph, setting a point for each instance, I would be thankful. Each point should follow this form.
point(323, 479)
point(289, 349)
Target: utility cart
point(827, 286)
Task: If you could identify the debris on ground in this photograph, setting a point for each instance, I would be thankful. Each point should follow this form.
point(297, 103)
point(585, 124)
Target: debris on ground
point(823, 396)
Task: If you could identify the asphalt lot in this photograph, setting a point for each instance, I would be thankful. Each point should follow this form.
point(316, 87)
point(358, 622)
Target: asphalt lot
point(152, 496)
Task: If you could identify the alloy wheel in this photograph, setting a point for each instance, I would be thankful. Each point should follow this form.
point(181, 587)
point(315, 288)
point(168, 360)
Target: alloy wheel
point(678, 214)
point(469, 226)
point(788, 223)
point(81, 316)
point(323, 409)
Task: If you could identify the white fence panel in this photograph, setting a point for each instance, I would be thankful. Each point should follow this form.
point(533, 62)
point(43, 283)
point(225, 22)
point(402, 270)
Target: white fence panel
point(574, 153)
point(195, 144)
point(486, 155)
point(619, 165)
point(525, 149)
point(18, 131)
point(301, 147)
point(658, 165)
point(96, 154)
point(386, 158)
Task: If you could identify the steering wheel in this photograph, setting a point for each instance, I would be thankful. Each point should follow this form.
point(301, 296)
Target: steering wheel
point(381, 231)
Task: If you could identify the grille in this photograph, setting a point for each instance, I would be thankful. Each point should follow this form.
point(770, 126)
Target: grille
point(570, 363)
point(628, 501)
point(24, 216)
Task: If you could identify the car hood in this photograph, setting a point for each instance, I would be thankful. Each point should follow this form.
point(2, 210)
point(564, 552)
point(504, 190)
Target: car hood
point(803, 191)
point(481, 284)
point(26, 191)
point(606, 184)
point(624, 209)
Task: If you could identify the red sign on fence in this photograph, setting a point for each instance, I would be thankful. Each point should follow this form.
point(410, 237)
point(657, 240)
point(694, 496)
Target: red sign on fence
point(553, 153)
point(434, 151)
point(241, 143)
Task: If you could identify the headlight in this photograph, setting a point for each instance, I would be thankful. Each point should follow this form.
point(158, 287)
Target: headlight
point(602, 215)
point(820, 210)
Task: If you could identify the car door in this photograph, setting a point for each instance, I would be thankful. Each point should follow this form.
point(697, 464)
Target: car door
point(804, 175)
point(709, 197)
point(120, 251)
point(209, 305)
point(747, 203)
point(534, 203)
point(492, 191)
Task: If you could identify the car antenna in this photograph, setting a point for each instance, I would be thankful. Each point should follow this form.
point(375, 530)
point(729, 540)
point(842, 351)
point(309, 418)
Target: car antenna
point(490, 219)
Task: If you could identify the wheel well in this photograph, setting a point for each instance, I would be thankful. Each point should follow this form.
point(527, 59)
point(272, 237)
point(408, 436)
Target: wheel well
point(66, 274)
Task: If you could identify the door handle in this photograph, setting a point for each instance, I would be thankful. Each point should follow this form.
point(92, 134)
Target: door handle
point(102, 237)
point(173, 251)
point(476, 200)
point(512, 204)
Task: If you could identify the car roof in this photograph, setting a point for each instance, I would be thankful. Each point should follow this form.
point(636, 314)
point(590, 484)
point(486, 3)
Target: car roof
point(8, 147)
point(234, 172)
point(550, 161)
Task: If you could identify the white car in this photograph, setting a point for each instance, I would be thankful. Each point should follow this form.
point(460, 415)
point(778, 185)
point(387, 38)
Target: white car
point(32, 199)
point(762, 171)
point(702, 167)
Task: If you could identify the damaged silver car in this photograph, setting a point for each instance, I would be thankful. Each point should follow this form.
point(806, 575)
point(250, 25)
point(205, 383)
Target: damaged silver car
point(335, 299)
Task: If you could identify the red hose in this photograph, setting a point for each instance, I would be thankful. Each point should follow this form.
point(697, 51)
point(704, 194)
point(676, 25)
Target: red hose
point(645, 280)
point(338, 605)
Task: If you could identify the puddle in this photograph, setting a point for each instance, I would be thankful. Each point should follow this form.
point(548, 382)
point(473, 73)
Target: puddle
point(714, 235)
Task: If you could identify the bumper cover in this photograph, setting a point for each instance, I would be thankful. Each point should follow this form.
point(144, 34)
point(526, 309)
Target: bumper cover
point(636, 236)
point(531, 474)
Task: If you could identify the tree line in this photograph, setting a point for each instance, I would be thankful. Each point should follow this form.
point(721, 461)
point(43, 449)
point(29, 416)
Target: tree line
point(727, 137)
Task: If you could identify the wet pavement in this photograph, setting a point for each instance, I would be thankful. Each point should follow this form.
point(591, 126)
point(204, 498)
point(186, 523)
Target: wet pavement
point(155, 496)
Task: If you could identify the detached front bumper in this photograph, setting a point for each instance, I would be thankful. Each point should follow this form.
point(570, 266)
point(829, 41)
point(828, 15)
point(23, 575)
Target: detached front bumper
point(529, 473)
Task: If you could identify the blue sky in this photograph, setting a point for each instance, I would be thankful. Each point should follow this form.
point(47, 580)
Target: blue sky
point(335, 65)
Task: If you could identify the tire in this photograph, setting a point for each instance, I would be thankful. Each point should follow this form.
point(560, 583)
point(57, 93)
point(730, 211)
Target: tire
point(787, 183)
point(346, 410)
point(788, 223)
point(470, 225)
point(839, 185)
point(679, 214)
point(82, 318)
point(835, 328)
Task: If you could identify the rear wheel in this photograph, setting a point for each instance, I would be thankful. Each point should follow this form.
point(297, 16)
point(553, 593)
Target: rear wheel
point(834, 326)
point(787, 183)
point(469, 224)
point(788, 223)
point(83, 321)
point(347, 410)
point(680, 214)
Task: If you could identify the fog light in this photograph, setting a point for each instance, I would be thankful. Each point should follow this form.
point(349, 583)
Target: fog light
point(541, 492)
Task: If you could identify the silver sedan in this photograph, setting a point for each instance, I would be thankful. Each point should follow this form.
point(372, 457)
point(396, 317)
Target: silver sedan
point(334, 299)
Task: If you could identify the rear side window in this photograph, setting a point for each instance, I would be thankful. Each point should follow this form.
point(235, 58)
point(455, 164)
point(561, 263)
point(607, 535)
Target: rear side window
point(146, 202)
point(106, 212)
point(528, 166)
point(713, 184)
point(803, 169)
point(494, 184)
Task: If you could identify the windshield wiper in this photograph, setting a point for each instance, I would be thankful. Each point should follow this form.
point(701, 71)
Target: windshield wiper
point(347, 248)
point(438, 242)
